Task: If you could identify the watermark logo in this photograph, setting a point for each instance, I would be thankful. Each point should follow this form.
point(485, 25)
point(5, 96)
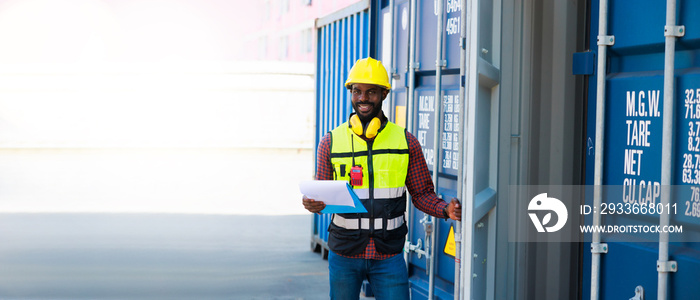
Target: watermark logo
point(543, 203)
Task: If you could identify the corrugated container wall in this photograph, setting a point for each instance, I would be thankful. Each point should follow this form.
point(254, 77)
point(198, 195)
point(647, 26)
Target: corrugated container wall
point(343, 38)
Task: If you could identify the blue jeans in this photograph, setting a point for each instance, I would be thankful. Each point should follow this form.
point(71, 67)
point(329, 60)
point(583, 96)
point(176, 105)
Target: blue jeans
point(388, 278)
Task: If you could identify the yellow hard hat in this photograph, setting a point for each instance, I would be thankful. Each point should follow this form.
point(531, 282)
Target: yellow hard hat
point(370, 71)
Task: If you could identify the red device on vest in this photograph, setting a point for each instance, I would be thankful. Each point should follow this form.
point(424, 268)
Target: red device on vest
point(356, 176)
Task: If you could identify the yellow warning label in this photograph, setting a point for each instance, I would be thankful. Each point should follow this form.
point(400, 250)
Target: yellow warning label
point(450, 246)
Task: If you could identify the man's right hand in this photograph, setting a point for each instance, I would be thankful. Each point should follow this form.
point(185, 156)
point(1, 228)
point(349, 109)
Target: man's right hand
point(313, 205)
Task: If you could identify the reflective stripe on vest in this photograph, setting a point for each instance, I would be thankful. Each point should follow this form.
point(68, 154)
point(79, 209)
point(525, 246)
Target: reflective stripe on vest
point(353, 224)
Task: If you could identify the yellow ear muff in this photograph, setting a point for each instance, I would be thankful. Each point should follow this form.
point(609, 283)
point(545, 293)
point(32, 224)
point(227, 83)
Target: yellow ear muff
point(372, 128)
point(356, 125)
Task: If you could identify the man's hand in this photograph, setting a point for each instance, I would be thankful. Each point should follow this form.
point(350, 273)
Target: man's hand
point(313, 205)
point(454, 210)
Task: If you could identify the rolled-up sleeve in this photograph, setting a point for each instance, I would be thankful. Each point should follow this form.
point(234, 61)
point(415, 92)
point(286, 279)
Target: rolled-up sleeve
point(419, 182)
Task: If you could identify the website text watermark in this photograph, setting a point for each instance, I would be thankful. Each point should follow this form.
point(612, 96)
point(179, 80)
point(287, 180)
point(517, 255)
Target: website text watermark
point(631, 229)
point(570, 214)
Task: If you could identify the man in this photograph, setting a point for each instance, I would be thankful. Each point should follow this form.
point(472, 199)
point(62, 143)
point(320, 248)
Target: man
point(384, 160)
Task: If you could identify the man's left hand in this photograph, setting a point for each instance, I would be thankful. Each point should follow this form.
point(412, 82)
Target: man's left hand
point(454, 210)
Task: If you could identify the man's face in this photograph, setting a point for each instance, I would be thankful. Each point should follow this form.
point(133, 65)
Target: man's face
point(367, 100)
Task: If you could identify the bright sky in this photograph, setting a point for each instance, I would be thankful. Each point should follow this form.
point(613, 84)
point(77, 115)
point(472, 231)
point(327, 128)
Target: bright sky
point(134, 74)
point(88, 31)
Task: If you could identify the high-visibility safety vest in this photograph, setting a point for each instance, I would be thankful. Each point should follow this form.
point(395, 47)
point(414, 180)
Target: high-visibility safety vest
point(384, 162)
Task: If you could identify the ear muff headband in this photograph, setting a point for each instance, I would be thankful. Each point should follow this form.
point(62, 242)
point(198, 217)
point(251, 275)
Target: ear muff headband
point(372, 127)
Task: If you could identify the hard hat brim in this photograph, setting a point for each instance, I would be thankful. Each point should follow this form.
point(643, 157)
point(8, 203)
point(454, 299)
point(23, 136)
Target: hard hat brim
point(349, 84)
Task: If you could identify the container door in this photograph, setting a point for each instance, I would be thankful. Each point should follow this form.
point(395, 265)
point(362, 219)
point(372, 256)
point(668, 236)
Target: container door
point(459, 138)
point(342, 38)
point(433, 119)
point(632, 155)
point(480, 191)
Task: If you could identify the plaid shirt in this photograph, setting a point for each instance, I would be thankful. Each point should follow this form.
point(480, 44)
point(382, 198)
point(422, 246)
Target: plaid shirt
point(418, 182)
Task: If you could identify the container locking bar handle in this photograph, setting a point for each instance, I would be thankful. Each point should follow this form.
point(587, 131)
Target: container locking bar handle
point(412, 66)
point(671, 32)
point(598, 248)
point(439, 64)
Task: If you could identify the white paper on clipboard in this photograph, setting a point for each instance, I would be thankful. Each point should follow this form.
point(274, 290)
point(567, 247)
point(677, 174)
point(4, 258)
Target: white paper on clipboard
point(331, 192)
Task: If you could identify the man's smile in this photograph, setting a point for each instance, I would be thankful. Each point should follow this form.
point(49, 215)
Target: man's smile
point(364, 107)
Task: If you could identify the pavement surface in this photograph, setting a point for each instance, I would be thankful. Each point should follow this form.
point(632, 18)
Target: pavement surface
point(159, 256)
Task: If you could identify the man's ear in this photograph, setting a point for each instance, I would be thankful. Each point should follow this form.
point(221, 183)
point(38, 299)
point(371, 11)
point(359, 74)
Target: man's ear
point(385, 93)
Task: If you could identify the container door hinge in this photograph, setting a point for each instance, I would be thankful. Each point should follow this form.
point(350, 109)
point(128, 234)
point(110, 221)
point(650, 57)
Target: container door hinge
point(463, 43)
point(677, 31)
point(606, 40)
point(666, 266)
point(584, 63)
point(638, 293)
point(599, 248)
point(463, 80)
point(414, 65)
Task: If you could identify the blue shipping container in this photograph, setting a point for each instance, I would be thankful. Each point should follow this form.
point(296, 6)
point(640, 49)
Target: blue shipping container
point(632, 149)
point(524, 125)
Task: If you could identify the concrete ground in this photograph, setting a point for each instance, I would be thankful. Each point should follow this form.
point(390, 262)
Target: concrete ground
point(159, 256)
point(157, 224)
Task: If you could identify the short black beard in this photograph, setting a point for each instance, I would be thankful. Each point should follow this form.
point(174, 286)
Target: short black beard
point(366, 119)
